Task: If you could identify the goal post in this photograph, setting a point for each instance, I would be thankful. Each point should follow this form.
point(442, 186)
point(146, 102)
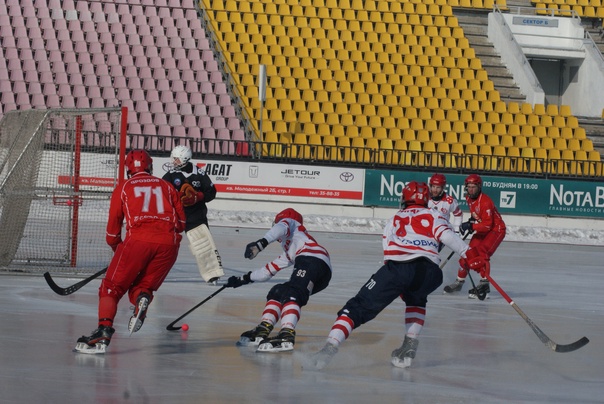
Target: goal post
point(58, 168)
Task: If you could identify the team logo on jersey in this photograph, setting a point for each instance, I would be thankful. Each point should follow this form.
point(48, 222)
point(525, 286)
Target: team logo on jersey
point(177, 182)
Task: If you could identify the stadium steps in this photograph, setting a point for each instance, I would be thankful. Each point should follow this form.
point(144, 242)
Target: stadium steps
point(474, 24)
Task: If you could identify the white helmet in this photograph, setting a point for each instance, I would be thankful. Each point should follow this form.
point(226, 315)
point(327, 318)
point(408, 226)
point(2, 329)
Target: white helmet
point(180, 156)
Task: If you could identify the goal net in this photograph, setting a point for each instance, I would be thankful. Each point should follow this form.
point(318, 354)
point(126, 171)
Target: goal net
point(58, 168)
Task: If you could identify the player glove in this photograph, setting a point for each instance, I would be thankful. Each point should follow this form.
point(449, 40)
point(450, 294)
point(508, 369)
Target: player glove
point(252, 249)
point(466, 227)
point(189, 196)
point(235, 281)
point(480, 265)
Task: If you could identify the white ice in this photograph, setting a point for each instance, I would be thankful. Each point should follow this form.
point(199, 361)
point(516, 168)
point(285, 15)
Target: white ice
point(470, 351)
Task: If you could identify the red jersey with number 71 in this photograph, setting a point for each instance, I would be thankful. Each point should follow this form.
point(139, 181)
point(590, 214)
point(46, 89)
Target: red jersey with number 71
point(151, 208)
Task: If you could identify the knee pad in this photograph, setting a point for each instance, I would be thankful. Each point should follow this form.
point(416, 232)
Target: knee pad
point(107, 288)
point(276, 293)
point(284, 293)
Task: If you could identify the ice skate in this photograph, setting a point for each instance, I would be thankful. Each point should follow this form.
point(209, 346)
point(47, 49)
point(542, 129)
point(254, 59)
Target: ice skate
point(255, 336)
point(96, 343)
point(454, 287)
point(140, 312)
point(322, 358)
point(402, 357)
point(481, 291)
point(284, 341)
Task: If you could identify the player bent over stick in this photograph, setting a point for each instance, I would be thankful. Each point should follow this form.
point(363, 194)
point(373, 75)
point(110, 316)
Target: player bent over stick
point(311, 274)
point(154, 219)
point(410, 242)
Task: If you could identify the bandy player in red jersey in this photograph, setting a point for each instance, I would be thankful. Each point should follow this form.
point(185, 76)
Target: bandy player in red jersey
point(154, 216)
point(489, 231)
point(410, 243)
point(311, 274)
point(445, 204)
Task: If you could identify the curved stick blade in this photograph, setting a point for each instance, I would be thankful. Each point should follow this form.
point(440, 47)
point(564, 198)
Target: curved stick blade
point(73, 288)
point(572, 347)
point(55, 288)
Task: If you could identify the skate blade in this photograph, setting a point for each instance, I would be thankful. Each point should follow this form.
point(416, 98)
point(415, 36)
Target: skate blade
point(268, 347)
point(404, 363)
point(244, 341)
point(135, 323)
point(477, 297)
point(98, 348)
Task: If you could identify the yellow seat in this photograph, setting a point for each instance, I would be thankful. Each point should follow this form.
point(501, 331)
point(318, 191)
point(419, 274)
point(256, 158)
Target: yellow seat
point(564, 110)
point(344, 150)
point(555, 164)
point(568, 160)
point(300, 148)
point(594, 155)
point(506, 140)
point(560, 143)
point(552, 110)
point(574, 144)
point(520, 141)
point(359, 153)
point(587, 145)
point(547, 143)
point(553, 132)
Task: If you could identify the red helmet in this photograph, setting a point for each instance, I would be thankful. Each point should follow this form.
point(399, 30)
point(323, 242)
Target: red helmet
point(439, 180)
point(415, 193)
point(138, 161)
point(474, 179)
point(288, 213)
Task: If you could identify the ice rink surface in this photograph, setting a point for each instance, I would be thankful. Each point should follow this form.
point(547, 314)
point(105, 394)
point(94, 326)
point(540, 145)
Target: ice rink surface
point(469, 351)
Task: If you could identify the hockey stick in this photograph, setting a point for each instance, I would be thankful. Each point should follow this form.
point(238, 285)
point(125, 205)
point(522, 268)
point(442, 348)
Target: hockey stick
point(442, 264)
point(170, 327)
point(73, 288)
point(481, 295)
point(544, 338)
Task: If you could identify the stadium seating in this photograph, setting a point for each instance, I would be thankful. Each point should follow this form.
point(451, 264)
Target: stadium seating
point(398, 80)
point(582, 8)
point(151, 56)
point(434, 83)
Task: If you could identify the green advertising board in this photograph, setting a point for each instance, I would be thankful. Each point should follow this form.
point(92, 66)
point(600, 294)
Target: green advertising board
point(517, 196)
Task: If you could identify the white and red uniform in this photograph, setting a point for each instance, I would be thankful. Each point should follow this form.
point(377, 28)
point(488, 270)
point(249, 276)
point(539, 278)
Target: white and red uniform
point(154, 217)
point(311, 274)
point(489, 228)
point(295, 242)
point(417, 232)
point(448, 206)
point(410, 271)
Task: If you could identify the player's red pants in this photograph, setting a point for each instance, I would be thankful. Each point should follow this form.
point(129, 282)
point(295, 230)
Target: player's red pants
point(137, 267)
point(485, 245)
